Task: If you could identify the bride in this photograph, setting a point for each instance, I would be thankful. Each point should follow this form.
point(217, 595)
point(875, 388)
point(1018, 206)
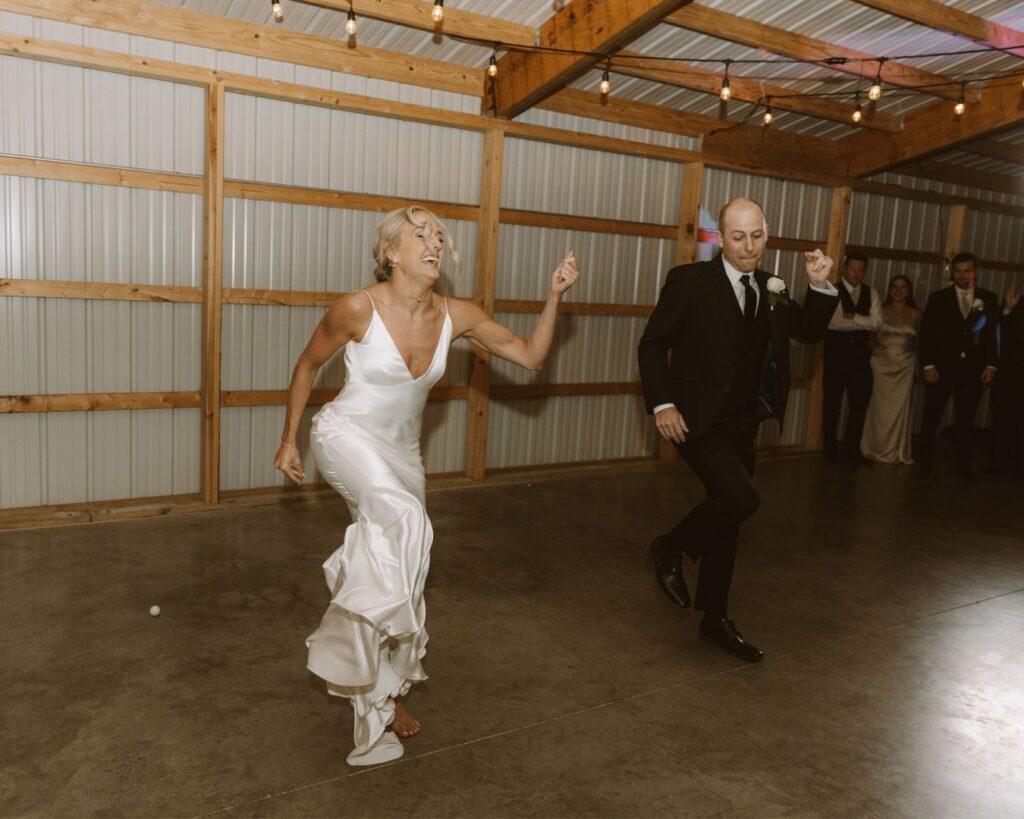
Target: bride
point(366, 443)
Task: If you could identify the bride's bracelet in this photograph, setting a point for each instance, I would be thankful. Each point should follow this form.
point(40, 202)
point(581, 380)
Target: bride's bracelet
point(285, 443)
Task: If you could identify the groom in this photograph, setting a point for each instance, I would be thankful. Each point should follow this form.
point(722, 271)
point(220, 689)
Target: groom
point(714, 362)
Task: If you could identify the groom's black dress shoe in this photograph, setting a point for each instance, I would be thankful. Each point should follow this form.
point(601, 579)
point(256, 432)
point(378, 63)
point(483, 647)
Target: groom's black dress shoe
point(723, 633)
point(669, 574)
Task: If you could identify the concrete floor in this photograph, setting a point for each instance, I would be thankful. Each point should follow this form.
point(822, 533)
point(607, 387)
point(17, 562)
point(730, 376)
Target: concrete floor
point(563, 684)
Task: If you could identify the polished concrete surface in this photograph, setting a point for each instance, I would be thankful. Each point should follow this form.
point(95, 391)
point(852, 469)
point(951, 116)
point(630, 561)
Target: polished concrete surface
point(891, 609)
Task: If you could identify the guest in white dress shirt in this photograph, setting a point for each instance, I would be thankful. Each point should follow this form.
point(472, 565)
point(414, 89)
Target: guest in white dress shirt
point(848, 359)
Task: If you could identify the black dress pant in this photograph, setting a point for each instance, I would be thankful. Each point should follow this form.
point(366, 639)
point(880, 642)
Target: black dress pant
point(962, 380)
point(1008, 418)
point(723, 459)
point(847, 361)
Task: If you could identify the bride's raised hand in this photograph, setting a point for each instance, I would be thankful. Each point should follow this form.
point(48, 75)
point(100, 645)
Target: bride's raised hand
point(289, 462)
point(565, 275)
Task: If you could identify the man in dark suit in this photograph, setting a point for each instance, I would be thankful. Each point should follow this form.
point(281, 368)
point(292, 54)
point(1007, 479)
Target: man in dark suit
point(1008, 389)
point(958, 353)
point(714, 362)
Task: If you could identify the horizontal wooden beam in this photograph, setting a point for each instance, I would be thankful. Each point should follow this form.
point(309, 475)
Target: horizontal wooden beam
point(579, 139)
point(896, 254)
point(925, 195)
point(508, 392)
point(588, 29)
point(278, 398)
point(684, 75)
point(563, 221)
point(628, 112)
point(99, 174)
point(215, 31)
point(936, 128)
point(416, 14)
point(101, 291)
point(959, 175)
point(573, 308)
point(943, 17)
point(95, 401)
point(994, 149)
point(318, 197)
point(736, 28)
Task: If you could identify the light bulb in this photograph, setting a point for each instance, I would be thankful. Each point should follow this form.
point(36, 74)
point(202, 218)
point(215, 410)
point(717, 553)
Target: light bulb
point(606, 83)
point(725, 93)
point(437, 13)
point(876, 89)
point(959, 108)
point(768, 117)
point(858, 113)
point(492, 67)
point(275, 7)
point(350, 24)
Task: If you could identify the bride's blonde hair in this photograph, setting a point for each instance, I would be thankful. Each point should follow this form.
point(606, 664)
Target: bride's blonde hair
point(389, 230)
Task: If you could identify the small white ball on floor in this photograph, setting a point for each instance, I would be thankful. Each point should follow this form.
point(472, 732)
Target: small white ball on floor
point(154, 610)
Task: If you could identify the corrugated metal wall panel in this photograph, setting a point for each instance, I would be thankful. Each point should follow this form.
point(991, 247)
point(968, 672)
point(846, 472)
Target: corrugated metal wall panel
point(917, 183)
point(881, 221)
point(552, 119)
point(568, 429)
point(616, 269)
point(444, 436)
point(996, 236)
point(794, 210)
point(559, 179)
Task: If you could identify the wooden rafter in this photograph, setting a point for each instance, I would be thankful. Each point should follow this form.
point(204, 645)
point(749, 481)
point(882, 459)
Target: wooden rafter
point(416, 14)
point(940, 16)
point(936, 128)
point(747, 32)
point(710, 82)
point(994, 149)
point(627, 112)
point(149, 19)
point(959, 175)
point(593, 27)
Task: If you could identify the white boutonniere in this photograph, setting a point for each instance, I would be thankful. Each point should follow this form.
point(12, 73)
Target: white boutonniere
point(776, 292)
point(977, 304)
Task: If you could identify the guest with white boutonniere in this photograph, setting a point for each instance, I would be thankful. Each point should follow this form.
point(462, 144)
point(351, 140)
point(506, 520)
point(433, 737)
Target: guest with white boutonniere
point(714, 362)
point(958, 357)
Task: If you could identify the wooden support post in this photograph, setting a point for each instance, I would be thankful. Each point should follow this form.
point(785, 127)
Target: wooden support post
point(213, 274)
point(956, 224)
point(486, 274)
point(686, 250)
point(838, 221)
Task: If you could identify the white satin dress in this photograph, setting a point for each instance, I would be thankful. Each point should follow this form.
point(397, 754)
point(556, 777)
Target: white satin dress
point(366, 443)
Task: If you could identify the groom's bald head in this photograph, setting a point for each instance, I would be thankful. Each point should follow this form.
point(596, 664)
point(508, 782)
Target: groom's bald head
point(744, 232)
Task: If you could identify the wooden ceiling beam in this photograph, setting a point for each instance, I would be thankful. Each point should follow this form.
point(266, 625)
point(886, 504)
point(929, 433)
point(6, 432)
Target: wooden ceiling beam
point(627, 112)
point(940, 16)
point(744, 31)
point(994, 149)
point(959, 175)
point(149, 19)
point(416, 14)
point(591, 28)
point(684, 75)
point(936, 129)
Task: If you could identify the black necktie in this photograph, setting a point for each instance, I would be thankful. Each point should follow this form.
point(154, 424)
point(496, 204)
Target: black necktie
point(749, 301)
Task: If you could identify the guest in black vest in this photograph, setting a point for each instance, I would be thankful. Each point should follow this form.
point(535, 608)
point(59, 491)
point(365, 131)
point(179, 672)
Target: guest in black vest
point(958, 354)
point(848, 359)
point(1008, 389)
point(714, 362)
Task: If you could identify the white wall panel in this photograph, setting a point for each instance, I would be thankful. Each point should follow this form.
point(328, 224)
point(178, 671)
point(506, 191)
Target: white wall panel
point(68, 457)
point(568, 429)
point(615, 269)
point(559, 179)
point(794, 210)
point(906, 224)
point(293, 144)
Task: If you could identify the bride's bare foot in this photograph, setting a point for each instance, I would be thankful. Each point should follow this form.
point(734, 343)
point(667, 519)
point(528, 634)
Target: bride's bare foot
point(404, 724)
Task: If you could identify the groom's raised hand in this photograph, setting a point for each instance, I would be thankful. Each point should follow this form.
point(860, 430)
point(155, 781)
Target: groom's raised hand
point(819, 267)
point(671, 425)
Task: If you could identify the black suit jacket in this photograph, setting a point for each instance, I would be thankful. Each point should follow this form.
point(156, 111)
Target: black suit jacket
point(694, 321)
point(946, 336)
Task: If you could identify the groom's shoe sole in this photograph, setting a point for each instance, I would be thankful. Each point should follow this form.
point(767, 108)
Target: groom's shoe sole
point(669, 576)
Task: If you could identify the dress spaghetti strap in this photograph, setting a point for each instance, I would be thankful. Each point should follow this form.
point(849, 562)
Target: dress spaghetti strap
point(367, 294)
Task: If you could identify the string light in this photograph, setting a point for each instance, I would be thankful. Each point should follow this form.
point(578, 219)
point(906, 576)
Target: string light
point(437, 13)
point(960, 106)
point(725, 93)
point(492, 66)
point(768, 111)
point(858, 112)
point(876, 87)
point(606, 81)
point(350, 24)
point(278, 12)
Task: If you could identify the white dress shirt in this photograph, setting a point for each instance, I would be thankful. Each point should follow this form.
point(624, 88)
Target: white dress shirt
point(872, 321)
point(741, 297)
